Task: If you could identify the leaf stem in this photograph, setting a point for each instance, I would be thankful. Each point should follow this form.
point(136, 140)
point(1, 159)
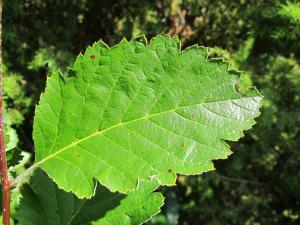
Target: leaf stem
point(4, 176)
point(19, 180)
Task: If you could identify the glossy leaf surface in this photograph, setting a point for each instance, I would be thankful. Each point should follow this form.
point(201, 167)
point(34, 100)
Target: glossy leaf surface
point(136, 111)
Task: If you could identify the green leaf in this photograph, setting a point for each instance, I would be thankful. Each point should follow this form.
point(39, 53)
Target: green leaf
point(43, 203)
point(291, 11)
point(137, 111)
point(14, 157)
point(13, 153)
point(10, 135)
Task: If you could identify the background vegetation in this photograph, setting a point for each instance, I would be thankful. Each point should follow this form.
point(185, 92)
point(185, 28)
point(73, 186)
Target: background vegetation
point(260, 183)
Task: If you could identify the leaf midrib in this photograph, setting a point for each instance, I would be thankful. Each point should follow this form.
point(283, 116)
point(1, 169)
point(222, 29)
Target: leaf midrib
point(99, 132)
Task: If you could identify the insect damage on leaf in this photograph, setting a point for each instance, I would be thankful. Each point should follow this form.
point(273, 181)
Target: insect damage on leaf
point(139, 111)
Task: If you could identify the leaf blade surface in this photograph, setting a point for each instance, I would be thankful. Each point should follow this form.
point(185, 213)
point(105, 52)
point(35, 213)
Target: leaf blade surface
point(136, 111)
point(44, 203)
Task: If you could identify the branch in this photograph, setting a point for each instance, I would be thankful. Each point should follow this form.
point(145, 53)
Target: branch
point(4, 176)
point(241, 180)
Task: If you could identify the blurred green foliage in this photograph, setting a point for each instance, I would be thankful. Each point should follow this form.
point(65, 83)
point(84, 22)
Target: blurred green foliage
point(260, 183)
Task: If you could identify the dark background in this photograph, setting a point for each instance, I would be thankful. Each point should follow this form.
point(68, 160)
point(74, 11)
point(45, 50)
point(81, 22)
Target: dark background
point(260, 183)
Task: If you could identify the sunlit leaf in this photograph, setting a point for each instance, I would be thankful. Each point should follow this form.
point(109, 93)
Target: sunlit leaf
point(137, 111)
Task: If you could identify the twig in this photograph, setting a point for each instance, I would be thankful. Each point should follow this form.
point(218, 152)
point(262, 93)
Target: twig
point(241, 180)
point(4, 176)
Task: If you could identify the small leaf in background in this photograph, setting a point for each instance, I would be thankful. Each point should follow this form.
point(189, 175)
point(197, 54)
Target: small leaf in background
point(10, 135)
point(14, 157)
point(15, 101)
point(291, 11)
point(13, 153)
